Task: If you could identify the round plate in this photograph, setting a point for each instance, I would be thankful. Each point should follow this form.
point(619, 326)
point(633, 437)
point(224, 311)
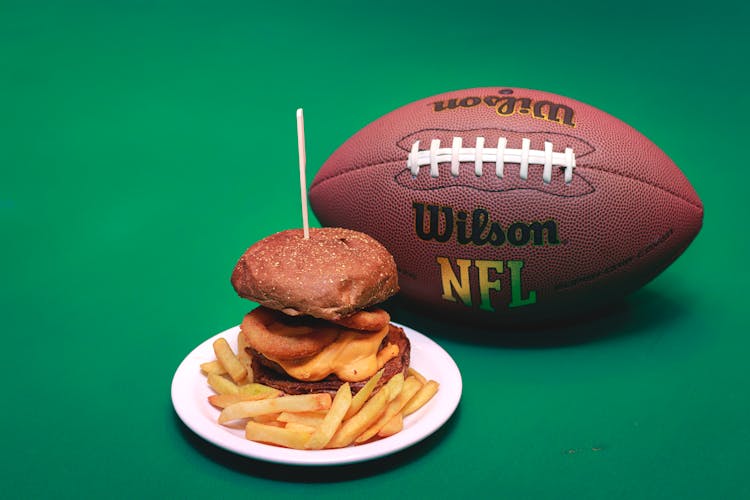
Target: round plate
point(190, 393)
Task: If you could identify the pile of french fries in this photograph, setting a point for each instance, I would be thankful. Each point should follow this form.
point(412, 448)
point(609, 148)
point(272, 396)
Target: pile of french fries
point(310, 421)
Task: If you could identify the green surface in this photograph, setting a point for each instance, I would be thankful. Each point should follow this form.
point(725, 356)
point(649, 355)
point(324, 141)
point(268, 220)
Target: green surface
point(145, 145)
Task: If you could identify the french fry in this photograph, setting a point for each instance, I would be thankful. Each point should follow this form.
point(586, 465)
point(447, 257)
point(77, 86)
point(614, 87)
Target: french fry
point(394, 426)
point(332, 420)
point(276, 435)
point(229, 361)
point(420, 398)
point(410, 387)
point(309, 418)
point(270, 423)
point(224, 400)
point(412, 372)
point(364, 418)
point(296, 426)
point(304, 402)
point(213, 367)
point(244, 357)
point(269, 418)
point(222, 385)
point(259, 389)
point(394, 386)
point(359, 399)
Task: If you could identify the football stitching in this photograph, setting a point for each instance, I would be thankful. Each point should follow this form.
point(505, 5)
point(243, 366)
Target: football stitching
point(317, 182)
point(513, 131)
point(398, 142)
point(456, 182)
point(479, 155)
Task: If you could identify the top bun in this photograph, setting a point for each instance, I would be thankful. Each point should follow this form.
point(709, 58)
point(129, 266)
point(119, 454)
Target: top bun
point(330, 275)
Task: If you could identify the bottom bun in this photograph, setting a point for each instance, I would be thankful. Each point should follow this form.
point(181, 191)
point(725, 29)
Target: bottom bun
point(272, 377)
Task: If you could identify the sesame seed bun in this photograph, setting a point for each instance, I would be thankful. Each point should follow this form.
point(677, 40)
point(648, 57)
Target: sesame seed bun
point(330, 275)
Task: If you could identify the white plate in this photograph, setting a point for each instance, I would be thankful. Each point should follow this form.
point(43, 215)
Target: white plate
point(190, 392)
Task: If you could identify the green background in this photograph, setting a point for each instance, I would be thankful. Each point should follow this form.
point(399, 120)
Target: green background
point(145, 145)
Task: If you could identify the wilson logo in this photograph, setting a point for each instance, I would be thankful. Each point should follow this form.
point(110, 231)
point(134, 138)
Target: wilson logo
point(507, 104)
point(442, 223)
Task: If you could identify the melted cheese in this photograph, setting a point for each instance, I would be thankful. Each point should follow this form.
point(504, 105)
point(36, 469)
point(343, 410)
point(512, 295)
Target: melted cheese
point(352, 357)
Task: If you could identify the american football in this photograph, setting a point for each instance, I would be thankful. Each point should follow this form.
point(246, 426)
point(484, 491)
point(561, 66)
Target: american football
point(504, 204)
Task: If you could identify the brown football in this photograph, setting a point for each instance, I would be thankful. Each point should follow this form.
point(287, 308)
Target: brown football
point(503, 203)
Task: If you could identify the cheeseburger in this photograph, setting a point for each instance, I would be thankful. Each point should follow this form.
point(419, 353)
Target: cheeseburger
point(318, 324)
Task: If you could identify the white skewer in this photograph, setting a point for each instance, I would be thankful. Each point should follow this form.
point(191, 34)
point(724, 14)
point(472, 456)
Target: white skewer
point(302, 175)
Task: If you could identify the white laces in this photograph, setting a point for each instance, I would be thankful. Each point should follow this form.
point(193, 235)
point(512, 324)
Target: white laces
point(499, 155)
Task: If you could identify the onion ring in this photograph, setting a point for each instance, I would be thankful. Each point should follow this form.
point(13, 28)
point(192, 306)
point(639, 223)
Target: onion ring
point(371, 320)
point(279, 336)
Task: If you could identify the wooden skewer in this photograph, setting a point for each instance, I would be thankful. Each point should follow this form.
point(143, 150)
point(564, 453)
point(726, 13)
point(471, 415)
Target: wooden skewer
point(302, 174)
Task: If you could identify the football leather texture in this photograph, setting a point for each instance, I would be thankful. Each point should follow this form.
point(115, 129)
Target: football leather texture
point(507, 204)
